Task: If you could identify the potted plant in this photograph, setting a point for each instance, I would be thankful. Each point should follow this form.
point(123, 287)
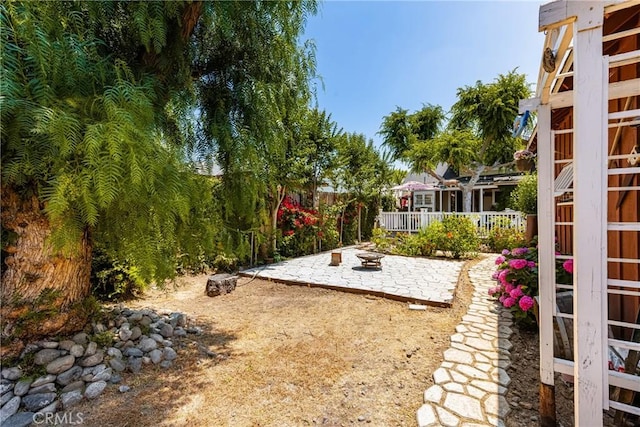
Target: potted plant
point(524, 160)
point(525, 199)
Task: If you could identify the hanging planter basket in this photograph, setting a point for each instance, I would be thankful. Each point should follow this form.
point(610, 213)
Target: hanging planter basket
point(525, 165)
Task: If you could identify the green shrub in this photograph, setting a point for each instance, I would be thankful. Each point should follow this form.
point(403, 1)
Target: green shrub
point(113, 279)
point(525, 196)
point(381, 239)
point(226, 263)
point(502, 237)
point(456, 236)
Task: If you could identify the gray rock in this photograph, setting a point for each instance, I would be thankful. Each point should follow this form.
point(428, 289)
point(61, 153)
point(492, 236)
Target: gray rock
point(114, 352)
point(49, 409)
point(76, 385)
point(166, 331)
point(156, 337)
point(49, 344)
point(22, 387)
point(66, 345)
point(28, 349)
point(10, 408)
point(70, 375)
point(167, 343)
point(102, 375)
point(44, 388)
point(124, 334)
point(93, 360)
point(135, 364)
point(146, 360)
point(94, 390)
point(35, 402)
point(169, 353)
point(20, 419)
point(117, 365)
point(12, 373)
point(77, 350)
point(99, 328)
point(135, 317)
point(133, 352)
point(43, 380)
point(61, 364)
point(115, 379)
point(80, 338)
point(165, 364)
point(146, 321)
point(135, 333)
point(124, 388)
point(147, 344)
point(179, 332)
point(180, 318)
point(195, 330)
point(91, 349)
point(5, 386)
point(98, 368)
point(6, 397)
point(156, 356)
point(46, 355)
point(71, 398)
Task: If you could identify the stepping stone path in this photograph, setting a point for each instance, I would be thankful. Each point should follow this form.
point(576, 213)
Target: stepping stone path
point(471, 383)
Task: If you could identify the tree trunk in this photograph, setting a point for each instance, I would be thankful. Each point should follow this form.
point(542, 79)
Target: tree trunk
point(467, 193)
point(42, 290)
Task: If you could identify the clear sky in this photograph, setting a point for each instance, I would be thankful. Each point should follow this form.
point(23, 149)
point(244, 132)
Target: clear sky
point(376, 55)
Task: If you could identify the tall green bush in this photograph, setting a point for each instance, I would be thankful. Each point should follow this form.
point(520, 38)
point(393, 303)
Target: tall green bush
point(525, 196)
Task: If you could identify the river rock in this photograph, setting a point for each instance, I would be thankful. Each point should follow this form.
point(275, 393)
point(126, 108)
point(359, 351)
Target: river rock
point(6, 397)
point(93, 360)
point(10, 408)
point(147, 344)
point(49, 409)
point(66, 345)
point(76, 385)
point(71, 398)
point(156, 356)
point(49, 344)
point(169, 353)
point(35, 402)
point(156, 337)
point(94, 390)
point(69, 376)
point(135, 364)
point(124, 388)
point(179, 332)
point(91, 349)
point(12, 373)
point(124, 334)
point(166, 330)
point(5, 386)
point(117, 365)
point(61, 364)
point(20, 419)
point(133, 352)
point(44, 388)
point(114, 352)
point(22, 387)
point(136, 332)
point(80, 338)
point(46, 355)
point(102, 374)
point(43, 380)
point(77, 350)
point(165, 364)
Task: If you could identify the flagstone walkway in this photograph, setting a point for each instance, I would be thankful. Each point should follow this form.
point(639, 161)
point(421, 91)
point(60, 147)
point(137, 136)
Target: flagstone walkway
point(472, 381)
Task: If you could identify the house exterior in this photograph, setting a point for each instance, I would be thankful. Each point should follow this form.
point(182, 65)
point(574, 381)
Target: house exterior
point(587, 141)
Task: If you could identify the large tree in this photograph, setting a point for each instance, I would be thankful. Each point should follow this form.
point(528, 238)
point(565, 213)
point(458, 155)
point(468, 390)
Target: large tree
point(98, 106)
point(478, 137)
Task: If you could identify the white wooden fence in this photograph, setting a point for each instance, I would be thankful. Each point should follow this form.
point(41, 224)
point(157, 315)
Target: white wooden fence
point(411, 222)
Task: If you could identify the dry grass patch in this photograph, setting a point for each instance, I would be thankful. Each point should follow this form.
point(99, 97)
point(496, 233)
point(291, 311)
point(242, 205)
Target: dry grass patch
point(284, 355)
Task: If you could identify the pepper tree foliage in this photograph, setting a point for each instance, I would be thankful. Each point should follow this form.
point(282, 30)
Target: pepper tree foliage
point(99, 106)
point(476, 138)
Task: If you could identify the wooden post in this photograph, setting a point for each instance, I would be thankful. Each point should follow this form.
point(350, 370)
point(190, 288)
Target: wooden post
point(590, 209)
point(546, 264)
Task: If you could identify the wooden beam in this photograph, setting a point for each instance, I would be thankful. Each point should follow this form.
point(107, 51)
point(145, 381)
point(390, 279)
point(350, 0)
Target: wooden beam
point(590, 210)
point(616, 90)
point(562, 50)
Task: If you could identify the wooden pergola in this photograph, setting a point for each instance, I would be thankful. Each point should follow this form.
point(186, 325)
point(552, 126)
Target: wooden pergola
point(587, 140)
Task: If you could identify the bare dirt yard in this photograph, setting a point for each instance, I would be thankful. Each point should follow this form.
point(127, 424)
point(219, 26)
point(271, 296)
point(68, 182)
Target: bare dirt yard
point(281, 355)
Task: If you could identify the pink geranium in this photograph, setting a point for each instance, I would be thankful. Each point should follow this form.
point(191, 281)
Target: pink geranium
point(502, 276)
point(508, 288)
point(516, 292)
point(500, 260)
point(509, 302)
point(531, 264)
point(518, 264)
point(526, 302)
point(568, 266)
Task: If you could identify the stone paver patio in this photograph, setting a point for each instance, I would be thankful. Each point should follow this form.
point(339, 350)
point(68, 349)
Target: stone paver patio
point(419, 280)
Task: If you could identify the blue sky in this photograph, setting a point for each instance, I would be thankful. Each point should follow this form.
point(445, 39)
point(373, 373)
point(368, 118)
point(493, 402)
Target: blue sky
point(376, 55)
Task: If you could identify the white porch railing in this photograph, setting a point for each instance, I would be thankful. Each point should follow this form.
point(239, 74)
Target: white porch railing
point(411, 222)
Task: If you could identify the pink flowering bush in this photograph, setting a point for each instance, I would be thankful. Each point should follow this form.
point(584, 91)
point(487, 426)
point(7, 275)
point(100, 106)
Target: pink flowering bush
point(517, 281)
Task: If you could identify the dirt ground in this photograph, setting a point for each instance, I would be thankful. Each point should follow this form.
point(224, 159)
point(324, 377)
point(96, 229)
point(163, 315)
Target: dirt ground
point(281, 355)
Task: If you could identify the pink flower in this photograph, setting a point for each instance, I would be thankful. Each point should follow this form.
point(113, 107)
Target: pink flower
point(519, 251)
point(509, 302)
point(531, 264)
point(502, 276)
point(526, 302)
point(505, 252)
point(516, 293)
point(557, 253)
point(502, 298)
point(500, 260)
point(494, 275)
point(508, 288)
point(568, 266)
point(518, 263)
point(494, 290)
